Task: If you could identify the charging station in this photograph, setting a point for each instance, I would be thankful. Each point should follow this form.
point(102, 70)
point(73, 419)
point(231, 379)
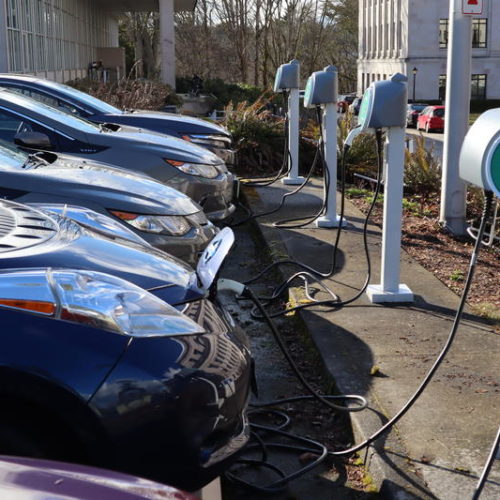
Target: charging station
point(384, 107)
point(480, 156)
point(288, 80)
point(321, 90)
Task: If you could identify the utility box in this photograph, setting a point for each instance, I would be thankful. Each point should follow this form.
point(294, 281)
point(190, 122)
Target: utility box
point(287, 76)
point(321, 88)
point(480, 155)
point(384, 104)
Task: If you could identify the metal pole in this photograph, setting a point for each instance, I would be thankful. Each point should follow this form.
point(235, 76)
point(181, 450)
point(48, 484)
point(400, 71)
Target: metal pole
point(458, 87)
point(330, 219)
point(390, 290)
point(414, 83)
point(293, 177)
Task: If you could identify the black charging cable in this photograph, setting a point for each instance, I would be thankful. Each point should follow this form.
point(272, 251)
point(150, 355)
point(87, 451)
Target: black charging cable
point(312, 273)
point(280, 483)
point(487, 467)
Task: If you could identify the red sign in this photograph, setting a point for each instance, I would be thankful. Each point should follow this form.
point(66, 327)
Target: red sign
point(472, 7)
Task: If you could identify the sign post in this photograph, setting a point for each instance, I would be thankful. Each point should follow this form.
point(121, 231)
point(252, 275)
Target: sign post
point(458, 88)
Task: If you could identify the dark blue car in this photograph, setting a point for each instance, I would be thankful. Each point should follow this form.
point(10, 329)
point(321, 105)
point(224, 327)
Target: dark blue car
point(201, 132)
point(98, 370)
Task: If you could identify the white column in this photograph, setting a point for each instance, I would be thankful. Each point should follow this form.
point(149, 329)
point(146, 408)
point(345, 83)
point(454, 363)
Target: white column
point(4, 51)
point(390, 290)
point(453, 190)
point(293, 177)
point(330, 219)
point(167, 42)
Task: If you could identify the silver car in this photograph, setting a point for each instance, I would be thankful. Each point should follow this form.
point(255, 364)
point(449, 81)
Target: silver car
point(164, 217)
point(191, 169)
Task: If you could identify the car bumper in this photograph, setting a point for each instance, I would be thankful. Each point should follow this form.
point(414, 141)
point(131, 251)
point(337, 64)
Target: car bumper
point(215, 196)
point(173, 408)
point(187, 247)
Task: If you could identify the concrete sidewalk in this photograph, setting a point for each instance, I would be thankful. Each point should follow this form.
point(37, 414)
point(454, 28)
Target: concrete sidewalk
point(439, 448)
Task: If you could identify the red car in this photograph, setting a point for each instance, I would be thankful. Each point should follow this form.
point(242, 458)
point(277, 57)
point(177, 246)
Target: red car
point(431, 118)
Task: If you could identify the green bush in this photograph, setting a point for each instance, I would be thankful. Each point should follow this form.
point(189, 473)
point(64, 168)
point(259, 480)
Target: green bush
point(223, 92)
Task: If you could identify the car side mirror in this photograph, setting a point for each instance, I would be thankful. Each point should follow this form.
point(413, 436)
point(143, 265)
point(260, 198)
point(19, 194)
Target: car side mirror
point(33, 140)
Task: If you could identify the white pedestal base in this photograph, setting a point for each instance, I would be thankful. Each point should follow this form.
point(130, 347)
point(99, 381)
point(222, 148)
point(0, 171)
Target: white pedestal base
point(293, 181)
point(377, 295)
point(328, 222)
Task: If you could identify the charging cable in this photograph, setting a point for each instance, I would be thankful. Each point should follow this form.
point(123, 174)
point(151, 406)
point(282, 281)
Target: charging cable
point(487, 467)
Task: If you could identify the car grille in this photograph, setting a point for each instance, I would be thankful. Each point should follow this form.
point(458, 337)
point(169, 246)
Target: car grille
point(22, 227)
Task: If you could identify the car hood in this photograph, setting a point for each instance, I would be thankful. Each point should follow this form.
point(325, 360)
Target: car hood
point(30, 238)
point(164, 146)
point(112, 188)
point(160, 121)
point(35, 479)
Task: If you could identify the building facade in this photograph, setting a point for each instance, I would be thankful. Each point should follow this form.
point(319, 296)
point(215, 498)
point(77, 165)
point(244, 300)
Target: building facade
point(411, 37)
point(59, 39)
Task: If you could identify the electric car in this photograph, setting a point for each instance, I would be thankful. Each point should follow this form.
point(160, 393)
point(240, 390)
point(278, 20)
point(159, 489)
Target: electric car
point(191, 169)
point(100, 370)
point(164, 217)
point(35, 479)
point(202, 132)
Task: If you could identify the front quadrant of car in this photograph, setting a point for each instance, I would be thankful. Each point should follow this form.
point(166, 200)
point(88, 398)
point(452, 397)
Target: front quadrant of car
point(174, 408)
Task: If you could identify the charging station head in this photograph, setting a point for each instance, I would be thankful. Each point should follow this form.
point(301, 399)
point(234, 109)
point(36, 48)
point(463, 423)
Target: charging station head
point(480, 156)
point(321, 88)
point(384, 104)
point(287, 76)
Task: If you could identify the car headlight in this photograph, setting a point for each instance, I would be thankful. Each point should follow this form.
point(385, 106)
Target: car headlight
point(207, 140)
point(93, 299)
point(198, 169)
point(174, 225)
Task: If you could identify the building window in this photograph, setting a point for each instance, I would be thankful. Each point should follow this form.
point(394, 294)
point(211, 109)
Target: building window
point(442, 87)
point(443, 33)
point(478, 87)
point(479, 33)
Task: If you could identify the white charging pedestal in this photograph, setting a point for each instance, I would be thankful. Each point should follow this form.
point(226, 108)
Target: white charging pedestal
point(390, 290)
point(293, 178)
point(330, 219)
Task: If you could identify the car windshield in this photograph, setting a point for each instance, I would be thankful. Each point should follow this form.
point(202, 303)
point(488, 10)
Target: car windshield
point(418, 107)
point(439, 112)
point(10, 156)
point(54, 114)
point(93, 102)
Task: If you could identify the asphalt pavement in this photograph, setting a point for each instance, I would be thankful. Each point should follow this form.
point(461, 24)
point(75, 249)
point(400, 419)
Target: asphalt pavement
point(382, 352)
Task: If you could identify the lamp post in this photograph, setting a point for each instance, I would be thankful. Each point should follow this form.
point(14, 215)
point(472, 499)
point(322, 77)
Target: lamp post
point(414, 71)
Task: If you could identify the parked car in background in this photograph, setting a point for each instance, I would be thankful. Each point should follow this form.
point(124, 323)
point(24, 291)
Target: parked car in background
point(412, 111)
point(191, 169)
point(35, 479)
point(344, 101)
point(431, 119)
point(96, 369)
point(164, 217)
point(355, 105)
point(201, 132)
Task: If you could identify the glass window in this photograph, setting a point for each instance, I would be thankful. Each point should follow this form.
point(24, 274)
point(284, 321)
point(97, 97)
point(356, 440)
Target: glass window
point(443, 33)
point(478, 87)
point(442, 87)
point(479, 33)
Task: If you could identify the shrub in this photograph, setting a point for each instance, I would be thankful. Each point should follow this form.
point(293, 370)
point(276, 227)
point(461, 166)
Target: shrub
point(223, 92)
point(129, 93)
point(422, 171)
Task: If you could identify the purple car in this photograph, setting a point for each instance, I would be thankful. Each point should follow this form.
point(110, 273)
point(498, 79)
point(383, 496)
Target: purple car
point(31, 479)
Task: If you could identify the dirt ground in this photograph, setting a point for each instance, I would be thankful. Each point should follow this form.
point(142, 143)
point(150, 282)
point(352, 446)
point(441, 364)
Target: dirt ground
point(448, 257)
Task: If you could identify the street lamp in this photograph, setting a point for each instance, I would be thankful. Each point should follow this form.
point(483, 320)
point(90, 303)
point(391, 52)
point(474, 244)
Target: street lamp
point(414, 71)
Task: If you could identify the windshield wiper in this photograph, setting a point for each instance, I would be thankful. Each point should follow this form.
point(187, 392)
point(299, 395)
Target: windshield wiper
point(34, 161)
